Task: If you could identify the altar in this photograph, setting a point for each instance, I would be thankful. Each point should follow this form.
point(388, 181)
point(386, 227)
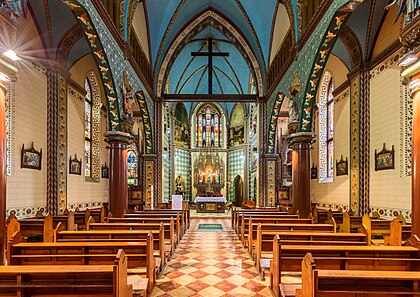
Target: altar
point(210, 204)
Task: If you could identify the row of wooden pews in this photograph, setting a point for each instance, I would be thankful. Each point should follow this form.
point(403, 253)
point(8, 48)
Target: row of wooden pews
point(319, 256)
point(146, 239)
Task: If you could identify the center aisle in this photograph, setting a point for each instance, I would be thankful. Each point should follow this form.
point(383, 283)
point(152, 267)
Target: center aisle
point(211, 264)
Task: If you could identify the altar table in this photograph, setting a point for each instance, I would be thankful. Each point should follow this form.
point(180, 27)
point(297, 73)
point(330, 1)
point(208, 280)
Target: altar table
point(210, 204)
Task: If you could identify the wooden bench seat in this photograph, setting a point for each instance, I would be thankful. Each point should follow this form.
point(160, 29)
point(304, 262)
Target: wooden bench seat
point(139, 254)
point(236, 211)
point(243, 219)
point(250, 225)
point(289, 258)
point(186, 211)
point(175, 220)
point(333, 282)
point(175, 215)
point(169, 231)
point(68, 280)
point(121, 236)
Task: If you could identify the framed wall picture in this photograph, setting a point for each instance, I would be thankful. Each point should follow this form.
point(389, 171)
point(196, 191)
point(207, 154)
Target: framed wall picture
point(75, 165)
point(31, 158)
point(105, 171)
point(314, 171)
point(341, 167)
point(385, 159)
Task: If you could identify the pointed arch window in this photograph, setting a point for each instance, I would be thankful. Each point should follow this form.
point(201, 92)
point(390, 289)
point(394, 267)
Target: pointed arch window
point(209, 130)
point(326, 129)
point(88, 129)
point(132, 164)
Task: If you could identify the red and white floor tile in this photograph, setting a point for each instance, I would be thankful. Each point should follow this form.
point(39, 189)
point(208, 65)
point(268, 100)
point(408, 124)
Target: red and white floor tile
point(211, 264)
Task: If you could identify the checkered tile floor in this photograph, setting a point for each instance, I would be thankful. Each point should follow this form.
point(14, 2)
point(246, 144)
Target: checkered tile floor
point(211, 264)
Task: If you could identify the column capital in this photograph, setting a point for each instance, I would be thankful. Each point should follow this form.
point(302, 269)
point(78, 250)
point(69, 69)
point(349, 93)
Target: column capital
point(301, 137)
point(118, 137)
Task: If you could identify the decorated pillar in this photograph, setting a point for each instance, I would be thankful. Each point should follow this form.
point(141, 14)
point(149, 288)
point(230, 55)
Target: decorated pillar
point(57, 140)
point(149, 192)
point(118, 187)
point(262, 165)
point(158, 145)
point(3, 91)
point(410, 63)
point(301, 172)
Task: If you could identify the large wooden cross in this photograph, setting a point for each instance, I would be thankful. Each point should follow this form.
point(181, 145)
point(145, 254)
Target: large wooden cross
point(210, 55)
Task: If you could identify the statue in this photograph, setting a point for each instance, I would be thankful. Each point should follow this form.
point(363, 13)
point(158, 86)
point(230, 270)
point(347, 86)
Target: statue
point(128, 102)
point(180, 185)
point(294, 90)
point(293, 115)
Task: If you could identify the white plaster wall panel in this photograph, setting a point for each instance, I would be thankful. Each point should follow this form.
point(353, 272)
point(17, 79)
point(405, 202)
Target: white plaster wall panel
point(28, 187)
point(388, 188)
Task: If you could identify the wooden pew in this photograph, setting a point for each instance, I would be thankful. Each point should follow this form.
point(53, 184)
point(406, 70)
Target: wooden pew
point(166, 220)
point(249, 226)
point(187, 214)
point(169, 231)
point(289, 257)
point(322, 216)
point(236, 214)
point(68, 280)
point(121, 236)
point(365, 281)
point(263, 252)
point(175, 215)
point(244, 217)
point(139, 254)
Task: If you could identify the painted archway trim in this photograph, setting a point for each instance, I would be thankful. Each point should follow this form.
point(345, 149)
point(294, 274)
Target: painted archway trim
point(273, 123)
point(95, 44)
point(146, 122)
point(186, 32)
point(330, 37)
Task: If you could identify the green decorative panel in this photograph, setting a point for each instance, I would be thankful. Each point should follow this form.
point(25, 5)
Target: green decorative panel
point(182, 167)
point(236, 167)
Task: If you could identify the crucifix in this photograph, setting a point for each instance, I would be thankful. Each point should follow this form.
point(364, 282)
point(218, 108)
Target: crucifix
point(210, 55)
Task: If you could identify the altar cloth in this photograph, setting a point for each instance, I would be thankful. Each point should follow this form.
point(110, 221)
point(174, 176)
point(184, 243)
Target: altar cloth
point(210, 199)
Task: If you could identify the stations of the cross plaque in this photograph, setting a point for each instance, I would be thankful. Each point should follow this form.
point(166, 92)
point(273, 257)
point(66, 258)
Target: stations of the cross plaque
point(210, 54)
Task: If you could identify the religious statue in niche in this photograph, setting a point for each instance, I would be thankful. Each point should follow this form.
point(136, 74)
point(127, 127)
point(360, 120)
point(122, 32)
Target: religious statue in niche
point(180, 185)
point(126, 90)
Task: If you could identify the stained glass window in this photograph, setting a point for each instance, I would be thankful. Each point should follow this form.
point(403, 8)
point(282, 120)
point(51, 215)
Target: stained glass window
point(209, 130)
point(326, 128)
point(88, 129)
point(132, 163)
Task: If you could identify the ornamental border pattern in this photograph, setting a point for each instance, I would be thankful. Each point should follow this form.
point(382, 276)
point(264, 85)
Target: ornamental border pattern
point(62, 145)
point(10, 106)
point(354, 143)
point(24, 211)
point(384, 212)
point(96, 116)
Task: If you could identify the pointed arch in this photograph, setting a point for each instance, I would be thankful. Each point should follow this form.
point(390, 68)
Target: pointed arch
point(144, 112)
point(273, 123)
point(198, 23)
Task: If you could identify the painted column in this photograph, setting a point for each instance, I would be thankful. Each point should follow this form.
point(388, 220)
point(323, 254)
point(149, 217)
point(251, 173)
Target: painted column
point(262, 166)
point(301, 172)
point(149, 190)
point(410, 63)
point(3, 91)
point(118, 187)
point(57, 140)
point(415, 194)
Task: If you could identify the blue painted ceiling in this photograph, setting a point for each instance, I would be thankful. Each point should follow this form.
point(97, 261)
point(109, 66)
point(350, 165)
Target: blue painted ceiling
point(253, 18)
point(189, 75)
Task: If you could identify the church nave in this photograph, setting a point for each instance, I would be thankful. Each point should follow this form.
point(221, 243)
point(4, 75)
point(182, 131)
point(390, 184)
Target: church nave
point(211, 264)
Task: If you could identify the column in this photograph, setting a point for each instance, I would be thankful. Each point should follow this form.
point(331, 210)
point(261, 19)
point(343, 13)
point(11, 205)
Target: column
point(262, 148)
point(301, 172)
point(2, 172)
point(118, 187)
point(415, 194)
point(410, 63)
point(149, 190)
